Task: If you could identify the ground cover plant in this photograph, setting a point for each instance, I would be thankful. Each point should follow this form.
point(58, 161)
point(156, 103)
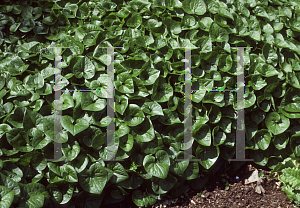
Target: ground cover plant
point(149, 96)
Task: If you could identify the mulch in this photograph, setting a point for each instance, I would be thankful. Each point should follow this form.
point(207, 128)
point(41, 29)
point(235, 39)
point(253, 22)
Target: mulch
point(214, 194)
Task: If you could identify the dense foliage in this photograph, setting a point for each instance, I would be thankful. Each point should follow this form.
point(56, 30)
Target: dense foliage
point(149, 96)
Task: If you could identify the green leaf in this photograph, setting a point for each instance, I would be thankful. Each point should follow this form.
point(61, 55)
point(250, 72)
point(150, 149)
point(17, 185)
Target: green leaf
point(202, 134)
point(290, 176)
point(263, 139)
point(80, 125)
point(188, 21)
point(16, 119)
point(19, 90)
point(77, 47)
point(279, 39)
point(134, 115)
point(260, 11)
point(266, 70)
point(169, 117)
point(124, 83)
point(149, 76)
point(225, 124)
point(31, 47)
point(197, 7)
point(250, 100)
point(198, 96)
point(140, 91)
point(214, 114)
point(84, 68)
point(142, 198)
point(152, 108)
point(70, 10)
point(133, 182)
point(119, 173)
point(173, 103)
point(88, 102)
point(293, 79)
point(100, 86)
point(94, 179)
point(4, 128)
point(291, 101)
point(257, 83)
point(2, 82)
point(126, 142)
point(83, 11)
point(219, 137)
point(123, 130)
point(218, 33)
point(153, 146)
point(268, 28)
point(68, 173)
point(259, 157)
point(225, 63)
point(62, 193)
point(192, 171)
point(80, 163)
point(90, 38)
point(179, 167)
point(121, 104)
point(9, 183)
point(143, 132)
point(27, 25)
point(277, 123)
point(67, 101)
point(71, 152)
point(134, 21)
point(225, 13)
point(32, 119)
point(35, 194)
point(280, 141)
point(216, 98)
point(7, 197)
point(48, 125)
point(34, 82)
point(157, 166)
point(162, 91)
point(173, 26)
point(294, 23)
point(162, 186)
point(207, 155)
point(270, 54)
point(205, 23)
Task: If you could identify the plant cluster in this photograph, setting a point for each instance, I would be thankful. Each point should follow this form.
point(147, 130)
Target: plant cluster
point(149, 96)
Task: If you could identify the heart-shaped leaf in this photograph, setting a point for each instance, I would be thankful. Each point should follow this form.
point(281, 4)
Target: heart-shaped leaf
point(121, 104)
point(84, 68)
point(80, 125)
point(207, 155)
point(94, 179)
point(87, 102)
point(277, 123)
point(202, 134)
point(157, 166)
point(134, 115)
point(263, 138)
